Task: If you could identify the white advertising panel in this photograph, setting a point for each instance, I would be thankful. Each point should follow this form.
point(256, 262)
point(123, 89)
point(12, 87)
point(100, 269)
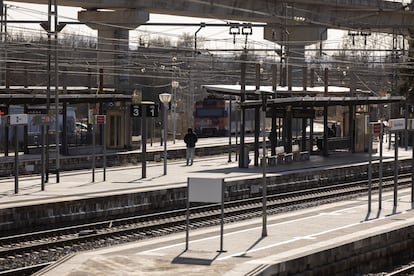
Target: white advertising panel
point(205, 190)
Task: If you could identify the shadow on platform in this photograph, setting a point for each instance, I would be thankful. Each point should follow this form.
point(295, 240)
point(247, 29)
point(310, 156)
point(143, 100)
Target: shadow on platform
point(196, 258)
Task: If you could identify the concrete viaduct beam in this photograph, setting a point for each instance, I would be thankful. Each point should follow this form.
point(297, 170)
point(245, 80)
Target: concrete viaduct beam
point(377, 15)
point(300, 35)
point(113, 41)
point(238, 5)
point(335, 14)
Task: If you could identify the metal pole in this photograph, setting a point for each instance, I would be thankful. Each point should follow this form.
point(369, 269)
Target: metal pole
point(49, 83)
point(56, 92)
point(243, 68)
point(412, 173)
point(380, 168)
point(187, 221)
point(165, 138)
point(144, 142)
point(230, 117)
point(43, 157)
point(264, 188)
point(93, 150)
point(104, 152)
point(237, 131)
point(16, 160)
point(369, 167)
point(395, 169)
point(174, 112)
point(152, 131)
point(4, 39)
point(222, 217)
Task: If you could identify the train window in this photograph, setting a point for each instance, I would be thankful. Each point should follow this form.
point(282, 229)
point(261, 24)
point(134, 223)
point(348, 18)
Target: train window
point(209, 112)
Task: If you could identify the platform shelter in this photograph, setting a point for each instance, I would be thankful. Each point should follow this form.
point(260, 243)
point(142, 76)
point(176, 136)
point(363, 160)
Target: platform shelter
point(342, 113)
point(114, 105)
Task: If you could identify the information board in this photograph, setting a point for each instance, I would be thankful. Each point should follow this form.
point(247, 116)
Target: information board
point(17, 119)
point(205, 190)
point(396, 124)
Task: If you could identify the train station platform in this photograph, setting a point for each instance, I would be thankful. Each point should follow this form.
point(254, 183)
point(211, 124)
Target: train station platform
point(297, 239)
point(341, 238)
point(128, 179)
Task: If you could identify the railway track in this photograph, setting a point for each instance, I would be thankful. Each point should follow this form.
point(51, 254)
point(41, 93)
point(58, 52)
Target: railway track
point(405, 271)
point(22, 254)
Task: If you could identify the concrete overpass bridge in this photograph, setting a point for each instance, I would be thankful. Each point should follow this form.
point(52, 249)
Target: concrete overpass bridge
point(297, 22)
point(377, 15)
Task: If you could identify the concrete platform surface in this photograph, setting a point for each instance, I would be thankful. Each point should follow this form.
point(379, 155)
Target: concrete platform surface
point(119, 180)
point(246, 252)
point(289, 235)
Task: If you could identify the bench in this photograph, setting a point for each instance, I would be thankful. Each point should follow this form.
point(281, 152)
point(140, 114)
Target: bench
point(299, 155)
point(271, 160)
point(281, 157)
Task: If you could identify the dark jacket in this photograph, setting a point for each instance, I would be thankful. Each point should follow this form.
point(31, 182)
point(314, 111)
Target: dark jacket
point(190, 139)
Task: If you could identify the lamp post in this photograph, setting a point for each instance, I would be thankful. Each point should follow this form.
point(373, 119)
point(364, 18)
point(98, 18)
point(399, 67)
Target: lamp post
point(264, 95)
point(165, 98)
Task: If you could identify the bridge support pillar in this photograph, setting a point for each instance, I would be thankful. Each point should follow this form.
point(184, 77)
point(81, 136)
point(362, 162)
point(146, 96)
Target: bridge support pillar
point(113, 42)
point(294, 39)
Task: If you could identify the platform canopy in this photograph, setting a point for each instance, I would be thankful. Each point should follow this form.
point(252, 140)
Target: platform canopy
point(71, 95)
point(297, 96)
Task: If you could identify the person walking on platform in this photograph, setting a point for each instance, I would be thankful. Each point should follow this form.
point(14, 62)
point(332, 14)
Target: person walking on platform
point(273, 142)
point(190, 139)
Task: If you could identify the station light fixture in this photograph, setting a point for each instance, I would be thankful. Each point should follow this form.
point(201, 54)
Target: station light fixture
point(165, 99)
point(234, 30)
point(247, 29)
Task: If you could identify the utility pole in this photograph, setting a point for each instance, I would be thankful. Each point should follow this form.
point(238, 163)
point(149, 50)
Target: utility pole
point(52, 27)
point(3, 68)
point(3, 18)
point(55, 32)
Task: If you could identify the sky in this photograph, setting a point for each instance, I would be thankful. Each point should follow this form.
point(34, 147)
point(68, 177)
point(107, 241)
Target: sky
point(216, 37)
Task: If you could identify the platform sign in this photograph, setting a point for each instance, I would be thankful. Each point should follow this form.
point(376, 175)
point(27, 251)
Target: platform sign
point(136, 110)
point(17, 119)
point(100, 119)
point(376, 128)
point(396, 124)
point(208, 190)
point(152, 110)
point(205, 190)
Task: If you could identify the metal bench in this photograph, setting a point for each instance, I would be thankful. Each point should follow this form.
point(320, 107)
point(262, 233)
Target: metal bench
point(299, 155)
point(281, 156)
